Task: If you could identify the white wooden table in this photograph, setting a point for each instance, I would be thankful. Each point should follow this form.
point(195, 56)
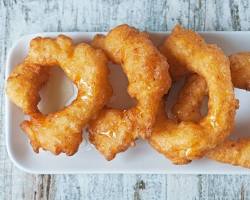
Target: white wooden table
point(19, 17)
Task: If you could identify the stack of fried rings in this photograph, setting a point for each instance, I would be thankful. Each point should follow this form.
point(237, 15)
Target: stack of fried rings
point(189, 137)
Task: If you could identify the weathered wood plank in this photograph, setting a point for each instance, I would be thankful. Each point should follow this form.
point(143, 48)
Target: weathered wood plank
point(225, 187)
point(183, 186)
point(22, 17)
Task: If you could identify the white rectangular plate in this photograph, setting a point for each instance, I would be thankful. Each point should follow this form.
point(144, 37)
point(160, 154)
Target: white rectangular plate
point(139, 159)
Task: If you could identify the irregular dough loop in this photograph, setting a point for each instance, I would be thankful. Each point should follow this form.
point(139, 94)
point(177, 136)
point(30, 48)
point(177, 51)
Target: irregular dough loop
point(85, 66)
point(147, 72)
point(186, 141)
point(235, 152)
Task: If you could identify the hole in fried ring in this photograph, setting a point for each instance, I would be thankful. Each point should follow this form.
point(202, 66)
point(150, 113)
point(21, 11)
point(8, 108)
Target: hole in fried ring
point(58, 92)
point(190, 98)
point(119, 82)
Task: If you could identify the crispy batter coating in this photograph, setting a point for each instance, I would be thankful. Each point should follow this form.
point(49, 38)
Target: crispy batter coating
point(239, 64)
point(85, 66)
point(147, 72)
point(23, 83)
point(231, 152)
point(240, 70)
point(186, 141)
point(188, 104)
point(177, 67)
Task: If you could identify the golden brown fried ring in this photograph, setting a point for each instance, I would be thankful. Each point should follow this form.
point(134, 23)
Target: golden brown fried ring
point(230, 151)
point(85, 66)
point(147, 72)
point(240, 70)
point(186, 141)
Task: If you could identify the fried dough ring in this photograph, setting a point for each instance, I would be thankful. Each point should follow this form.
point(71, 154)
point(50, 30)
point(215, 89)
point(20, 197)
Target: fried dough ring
point(235, 152)
point(147, 71)
point(87, 67)
point(186, 141)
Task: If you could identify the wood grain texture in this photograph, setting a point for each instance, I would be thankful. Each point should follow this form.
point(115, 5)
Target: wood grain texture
point(18, 18)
